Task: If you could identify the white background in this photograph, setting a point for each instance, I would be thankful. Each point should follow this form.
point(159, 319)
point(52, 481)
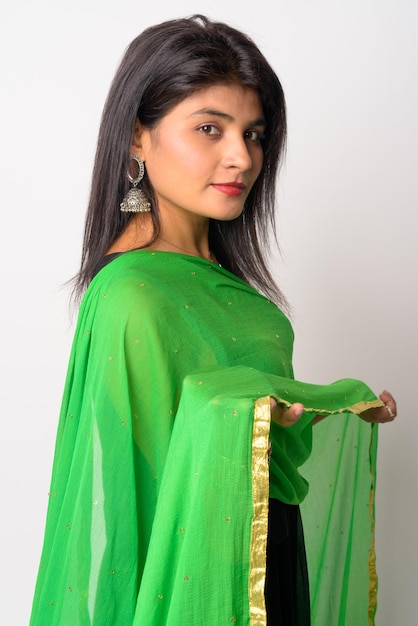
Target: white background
point(347, 226)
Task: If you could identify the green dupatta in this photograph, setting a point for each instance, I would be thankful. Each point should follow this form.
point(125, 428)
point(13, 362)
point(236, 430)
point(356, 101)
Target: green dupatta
point(162, 470)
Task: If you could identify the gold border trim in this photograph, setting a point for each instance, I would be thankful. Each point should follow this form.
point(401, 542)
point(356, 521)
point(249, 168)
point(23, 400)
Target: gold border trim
point(260, 486)
point(357, 408)
point(372, 554)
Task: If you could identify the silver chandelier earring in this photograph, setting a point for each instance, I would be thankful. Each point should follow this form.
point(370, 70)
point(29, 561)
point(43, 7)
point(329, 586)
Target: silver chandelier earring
point(135, 200)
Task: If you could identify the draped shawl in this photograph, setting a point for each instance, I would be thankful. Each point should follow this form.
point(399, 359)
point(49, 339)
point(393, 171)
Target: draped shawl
point(166, 456)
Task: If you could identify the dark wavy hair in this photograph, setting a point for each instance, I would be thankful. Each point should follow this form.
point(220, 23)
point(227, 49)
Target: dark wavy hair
point(161, 67)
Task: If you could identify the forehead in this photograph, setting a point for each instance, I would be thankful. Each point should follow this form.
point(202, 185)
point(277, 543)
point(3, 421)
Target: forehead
point(233, 100)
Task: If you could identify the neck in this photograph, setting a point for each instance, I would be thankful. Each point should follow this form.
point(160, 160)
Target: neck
point(188, 238)
point(186, 247)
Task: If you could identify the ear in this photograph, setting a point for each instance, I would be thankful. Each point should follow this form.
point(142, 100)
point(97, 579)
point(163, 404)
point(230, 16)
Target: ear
point(137, 146)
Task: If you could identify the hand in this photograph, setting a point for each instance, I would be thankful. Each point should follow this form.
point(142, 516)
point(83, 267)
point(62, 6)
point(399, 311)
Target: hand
point(381, 414)
point(285, 417)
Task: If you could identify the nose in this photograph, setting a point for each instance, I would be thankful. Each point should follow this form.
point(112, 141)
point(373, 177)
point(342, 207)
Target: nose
point(236, 154)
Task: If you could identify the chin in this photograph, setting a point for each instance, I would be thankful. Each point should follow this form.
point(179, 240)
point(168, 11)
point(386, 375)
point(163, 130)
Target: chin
point(227, 216)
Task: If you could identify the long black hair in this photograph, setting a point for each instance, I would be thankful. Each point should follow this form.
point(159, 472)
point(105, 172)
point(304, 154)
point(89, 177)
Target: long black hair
point(160, 68)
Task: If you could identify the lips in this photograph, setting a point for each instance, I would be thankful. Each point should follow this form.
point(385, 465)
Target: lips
point(229, 189)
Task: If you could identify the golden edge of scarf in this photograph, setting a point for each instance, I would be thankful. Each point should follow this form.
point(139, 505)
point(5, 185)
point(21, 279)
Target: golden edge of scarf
point(260, 486)
point(372, 554)
point(357, 408)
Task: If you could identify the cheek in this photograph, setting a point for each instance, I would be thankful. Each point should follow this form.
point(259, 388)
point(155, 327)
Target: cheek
point(255, 173)
point(258, 160)
point(177, 158)
point(188, 157)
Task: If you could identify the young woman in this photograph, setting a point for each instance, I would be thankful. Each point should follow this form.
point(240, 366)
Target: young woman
point(176, 486)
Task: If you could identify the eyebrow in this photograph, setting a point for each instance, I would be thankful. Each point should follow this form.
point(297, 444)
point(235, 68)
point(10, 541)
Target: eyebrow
point(207, 111)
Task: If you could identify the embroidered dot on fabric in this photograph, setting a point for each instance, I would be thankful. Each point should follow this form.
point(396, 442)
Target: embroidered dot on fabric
point(160, 596)
point(95, 502)
point(187, 306)
point(123, 423)
point(137, 341)
point(229, 303)
point(51, 602)
point(186, 579)
point(233, 619)
point(234, 338)
point(70, 589)
point(142, 284)
point(110, 358)
point(104, 296)
point(70, 416)
point(112, 571)
point(227, 519)
point(200, 382)
point(68, 526)
point(181, 530)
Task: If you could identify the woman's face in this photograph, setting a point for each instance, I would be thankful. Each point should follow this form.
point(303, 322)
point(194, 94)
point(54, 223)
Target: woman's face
point(205, 154)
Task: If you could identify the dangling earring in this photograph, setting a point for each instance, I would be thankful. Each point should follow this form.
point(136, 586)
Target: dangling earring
point(135, 200)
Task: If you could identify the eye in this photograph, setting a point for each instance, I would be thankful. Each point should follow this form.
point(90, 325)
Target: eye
point(254, 135)
point(209, 129)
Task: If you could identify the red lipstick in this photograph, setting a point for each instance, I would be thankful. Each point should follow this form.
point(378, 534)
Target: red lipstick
point(230, 189)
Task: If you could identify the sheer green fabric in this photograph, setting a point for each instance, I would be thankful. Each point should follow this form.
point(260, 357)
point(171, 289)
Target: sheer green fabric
point(166, 457)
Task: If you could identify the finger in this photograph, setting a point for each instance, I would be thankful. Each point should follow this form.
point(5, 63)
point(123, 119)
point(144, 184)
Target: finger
point(390, 404)
point(286, 417)
point(295, 412)
point(386, 414)
point(291, 415)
